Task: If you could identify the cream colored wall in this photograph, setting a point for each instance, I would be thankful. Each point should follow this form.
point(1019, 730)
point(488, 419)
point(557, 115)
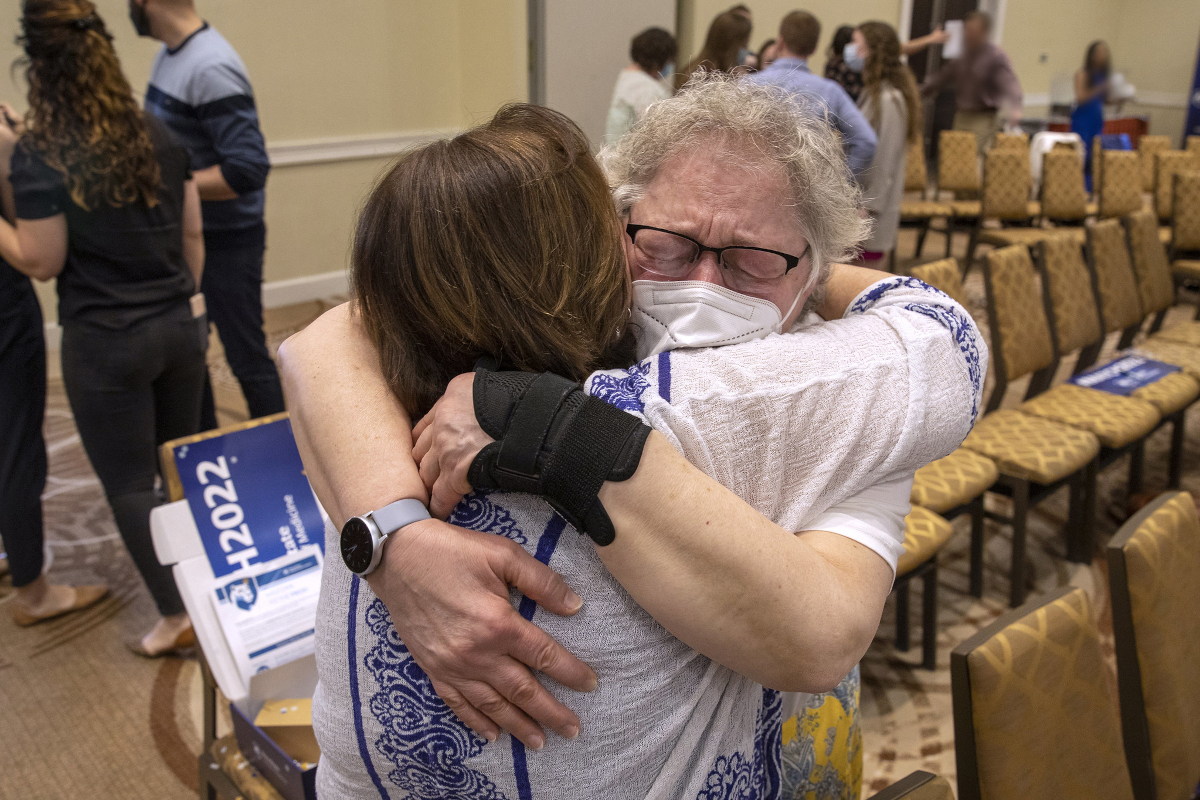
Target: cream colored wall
point(327, 71)
point(1156, 43)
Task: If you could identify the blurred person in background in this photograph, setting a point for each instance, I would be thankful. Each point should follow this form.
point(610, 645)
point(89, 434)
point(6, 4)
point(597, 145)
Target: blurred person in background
point(746, 57)
point(728, 36)
point(1091, 92)
point(22, 448)
point(891, 102)
point(200, 90)
point(766, 54)
point(983, 81)
point(914, 46)
point(105, 202)
point(799, 33)
point(641, 83)
point(835, 63)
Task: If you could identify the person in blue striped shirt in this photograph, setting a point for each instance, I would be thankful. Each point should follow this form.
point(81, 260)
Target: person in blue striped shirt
point(200, 90)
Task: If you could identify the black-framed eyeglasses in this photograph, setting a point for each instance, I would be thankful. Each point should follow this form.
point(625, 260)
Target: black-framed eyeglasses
point(673, 255)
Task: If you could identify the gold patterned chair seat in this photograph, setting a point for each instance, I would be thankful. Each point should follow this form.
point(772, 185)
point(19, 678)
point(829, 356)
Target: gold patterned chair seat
point(1034, 208)
point(920, 209)
point(1093, 209)
point(966, 208)
point(1115, 420)
point(1164, 234)
point(1031, 448)
point(1186, 268)
point(1183, 356)
point(1170, 393)
point(1182, 332)
point(1003, 237)
point(951, 481)
point(924, 534)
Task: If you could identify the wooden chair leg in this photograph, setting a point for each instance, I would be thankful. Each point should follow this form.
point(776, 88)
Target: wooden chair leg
point(1175, 465)
point(1085, 536)
point(976, 573)
point(929, 617)
point(921, 234)
point(950, 226)
point(902, 638)
point(1020, 498)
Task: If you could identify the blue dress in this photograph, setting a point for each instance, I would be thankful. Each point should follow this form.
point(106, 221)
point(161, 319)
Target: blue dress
point(1087, 119)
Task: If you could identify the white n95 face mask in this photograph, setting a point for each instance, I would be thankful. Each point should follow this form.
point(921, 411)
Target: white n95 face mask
point(675, 314)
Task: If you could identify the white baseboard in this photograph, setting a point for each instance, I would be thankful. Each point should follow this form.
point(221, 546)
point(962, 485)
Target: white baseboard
point(350, 148)
point(275, 294)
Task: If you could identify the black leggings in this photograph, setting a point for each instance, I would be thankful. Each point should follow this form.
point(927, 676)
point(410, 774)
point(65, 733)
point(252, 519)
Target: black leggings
point(22, 449)
point(130, 391)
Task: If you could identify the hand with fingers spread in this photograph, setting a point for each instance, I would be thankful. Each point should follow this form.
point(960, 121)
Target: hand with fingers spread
point(462, 630)
point(447, 439)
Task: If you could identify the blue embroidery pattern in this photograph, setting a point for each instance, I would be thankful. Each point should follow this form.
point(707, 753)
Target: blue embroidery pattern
point(961, 327)
point(421, 736)
point(734, 777)
point(623, 392)
point(477, 513)
point(428, 745)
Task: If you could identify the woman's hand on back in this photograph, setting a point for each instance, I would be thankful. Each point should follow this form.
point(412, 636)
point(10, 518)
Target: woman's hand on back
point(447, 439)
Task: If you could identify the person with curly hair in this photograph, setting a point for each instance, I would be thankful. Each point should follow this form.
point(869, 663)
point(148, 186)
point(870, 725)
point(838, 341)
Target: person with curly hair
point(105, 202)
point(891, 102)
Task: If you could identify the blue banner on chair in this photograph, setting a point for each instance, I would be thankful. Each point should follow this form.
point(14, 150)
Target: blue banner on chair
point(249, 496)
point(1124, 375)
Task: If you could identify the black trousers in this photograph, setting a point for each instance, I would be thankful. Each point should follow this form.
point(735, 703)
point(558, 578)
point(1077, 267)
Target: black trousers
point(22, 407)
point(130, 391)
point(232, 286)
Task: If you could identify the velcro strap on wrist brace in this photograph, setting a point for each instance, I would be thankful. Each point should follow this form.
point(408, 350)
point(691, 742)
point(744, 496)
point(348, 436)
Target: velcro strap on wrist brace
point(554, 441)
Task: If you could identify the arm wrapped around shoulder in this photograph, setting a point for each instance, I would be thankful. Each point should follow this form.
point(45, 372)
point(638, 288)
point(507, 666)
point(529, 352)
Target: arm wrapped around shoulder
point(554, 441)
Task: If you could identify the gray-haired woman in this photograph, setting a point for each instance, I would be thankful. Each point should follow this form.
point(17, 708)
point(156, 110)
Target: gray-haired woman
point(767, 606)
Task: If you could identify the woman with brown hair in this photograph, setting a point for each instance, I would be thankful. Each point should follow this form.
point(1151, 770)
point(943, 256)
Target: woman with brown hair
point(725, 47)
point(892, 104)
point(105, 203)
point(465, 248)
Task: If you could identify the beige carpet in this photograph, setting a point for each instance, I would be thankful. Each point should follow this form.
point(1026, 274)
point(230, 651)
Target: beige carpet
point(81, 717)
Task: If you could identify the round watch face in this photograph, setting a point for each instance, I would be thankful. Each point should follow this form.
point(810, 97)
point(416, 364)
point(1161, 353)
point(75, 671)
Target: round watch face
point(357, 546)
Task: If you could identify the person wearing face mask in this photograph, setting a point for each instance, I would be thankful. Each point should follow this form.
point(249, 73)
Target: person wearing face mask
point(643, 82)
point(725, 47)
point(891, 102)
point(200, 90)
point(734, 208)
point(836, 68)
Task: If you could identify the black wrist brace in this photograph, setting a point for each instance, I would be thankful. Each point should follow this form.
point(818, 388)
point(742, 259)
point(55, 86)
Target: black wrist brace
point(554, 441)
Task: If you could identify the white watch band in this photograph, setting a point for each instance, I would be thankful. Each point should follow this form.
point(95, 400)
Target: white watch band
point(395, 516)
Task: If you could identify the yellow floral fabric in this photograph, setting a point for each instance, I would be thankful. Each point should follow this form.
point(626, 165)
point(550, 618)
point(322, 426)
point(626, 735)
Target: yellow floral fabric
point(1162, 560)
point(915, 177)
point(958, 164)
point(1076, 317)
point(951, 481)
point(924, 534)
point(944, 276)
point(1006, 183)
point(1020, 331)
point(1186, 205)
point(822, 746)
point(1166, 164)
point(1147, 147)
point(1119, 299)
point(1120, 183)
point(1156, 287)
point(1063, 194)
point(1032, 448)
point(1046, 721)
point(1170, 393)
point(1115, 420)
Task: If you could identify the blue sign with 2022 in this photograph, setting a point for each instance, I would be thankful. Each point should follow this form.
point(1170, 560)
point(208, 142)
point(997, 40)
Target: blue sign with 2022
point(249, 497)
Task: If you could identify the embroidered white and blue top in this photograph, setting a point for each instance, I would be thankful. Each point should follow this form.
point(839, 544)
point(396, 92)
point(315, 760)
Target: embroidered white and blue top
point(803, 426)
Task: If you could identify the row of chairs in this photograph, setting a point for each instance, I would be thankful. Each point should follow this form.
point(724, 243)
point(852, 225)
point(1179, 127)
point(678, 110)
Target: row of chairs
point(1044, 306)
point(1002, 192)
point(1034, 714)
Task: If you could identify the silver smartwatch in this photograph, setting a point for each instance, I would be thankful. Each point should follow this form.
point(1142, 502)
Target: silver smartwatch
point(363, 537)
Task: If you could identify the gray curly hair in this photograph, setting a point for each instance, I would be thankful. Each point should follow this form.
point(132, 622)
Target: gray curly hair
point(763, 125)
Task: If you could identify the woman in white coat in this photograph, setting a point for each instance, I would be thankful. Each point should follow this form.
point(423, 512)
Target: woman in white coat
point(891, 103)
